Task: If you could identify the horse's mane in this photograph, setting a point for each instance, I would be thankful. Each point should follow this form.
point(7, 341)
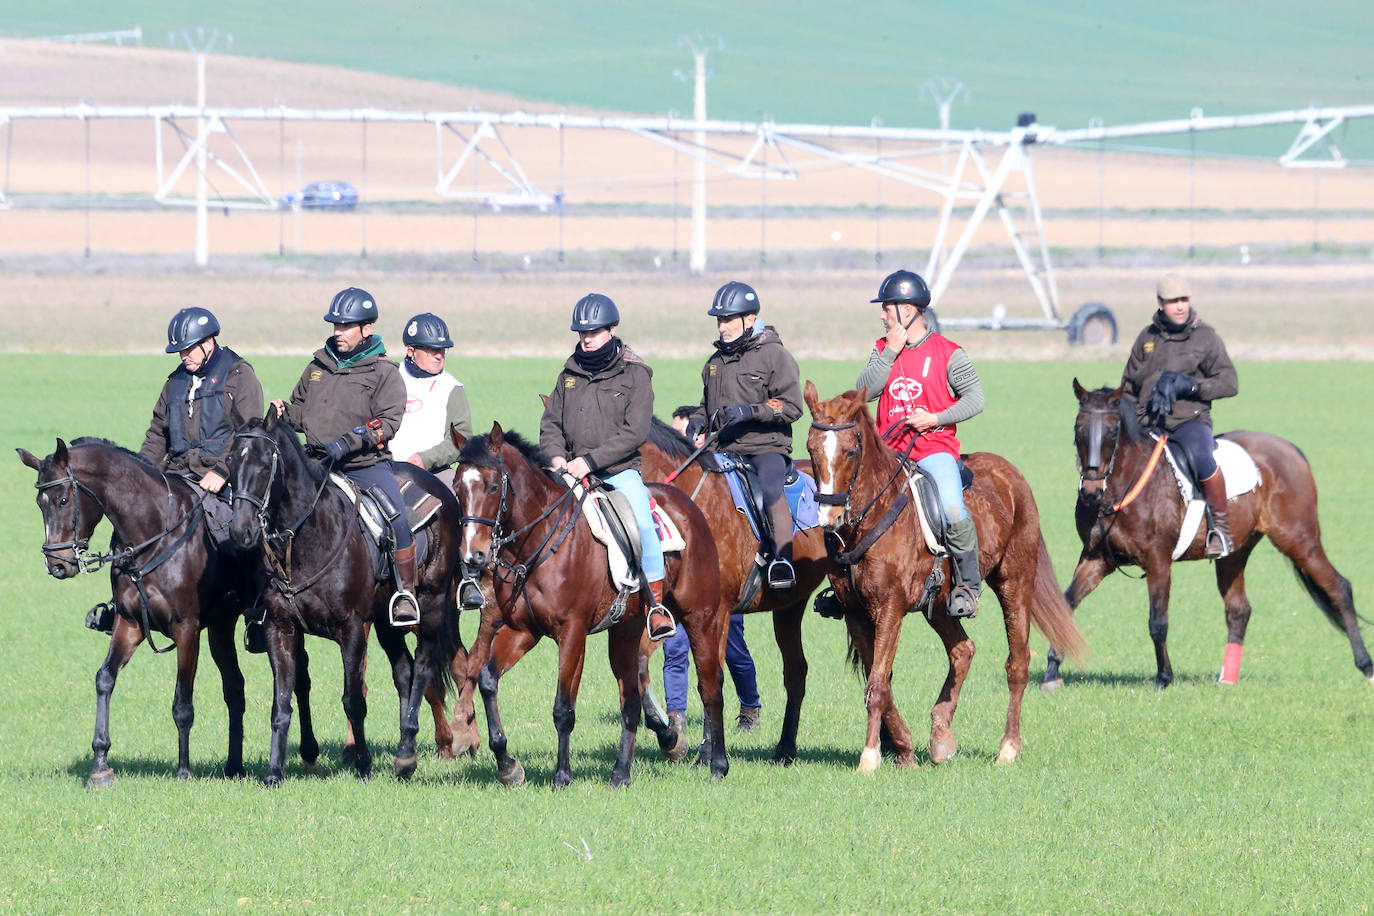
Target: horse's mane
point(115, 446)
point(675, 444)
point(477, 451)
point(287, 438)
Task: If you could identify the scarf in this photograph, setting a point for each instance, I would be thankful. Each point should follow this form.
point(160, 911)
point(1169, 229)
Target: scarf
point(596, 360)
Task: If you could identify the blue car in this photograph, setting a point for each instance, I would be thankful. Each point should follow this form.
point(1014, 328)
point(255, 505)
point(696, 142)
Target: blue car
point(322, 195)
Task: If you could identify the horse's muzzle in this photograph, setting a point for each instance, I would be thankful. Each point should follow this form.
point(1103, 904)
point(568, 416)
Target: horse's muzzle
point(60, 568)
point(244, 536)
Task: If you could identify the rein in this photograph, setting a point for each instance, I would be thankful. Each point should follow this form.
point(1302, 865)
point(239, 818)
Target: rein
point(887, 519)
point(567, 507)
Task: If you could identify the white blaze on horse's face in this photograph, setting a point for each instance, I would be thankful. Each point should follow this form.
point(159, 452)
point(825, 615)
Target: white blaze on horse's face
point(830, 516)
point(471, 488)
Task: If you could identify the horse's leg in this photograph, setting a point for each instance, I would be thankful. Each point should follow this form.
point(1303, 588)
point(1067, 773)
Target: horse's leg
point(628, 659)
point(887, 627)
point(466, 668)
point(787, 624)
point(1158, 575)
point(220, 636)
point(436, 696)
point(353, 649)
point(123, 641)
point(572, 652)
point(708, 657)
point(1328, 588)
point(1089, 572)
point(187, 638)
point(310, 746)
point(1230, 572)
point(894, 734)
point(960, 649)
point(281, 653)
point(350, 749)
point(1015, 596)
point(506, 649)
point(405, 673)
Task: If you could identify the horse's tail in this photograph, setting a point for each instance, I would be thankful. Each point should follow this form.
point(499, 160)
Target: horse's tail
point(856, 664)
point(1051, 613)
point(447, 643)
point(1323, 600)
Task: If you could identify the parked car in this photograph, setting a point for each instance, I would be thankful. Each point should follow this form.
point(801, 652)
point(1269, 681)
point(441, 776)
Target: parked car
point(322, 195)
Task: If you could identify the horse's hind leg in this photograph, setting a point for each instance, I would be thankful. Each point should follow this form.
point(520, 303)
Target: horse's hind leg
point(626, 657)
point(898, 736)
point(960, 649)
point(123, 641)
point(787, 625)
point(671, 742)
point(1230, 572)
point(309, 746)
point(221, 640)
point(506, 649)
point(1328, 588)
point(404, 673)
point(1015, 598)
point(353, 649)
point(1087, 575)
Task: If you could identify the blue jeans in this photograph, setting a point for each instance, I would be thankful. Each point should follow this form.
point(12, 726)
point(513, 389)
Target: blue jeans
point(737, 659)
point(632, 485)
point(943, 468)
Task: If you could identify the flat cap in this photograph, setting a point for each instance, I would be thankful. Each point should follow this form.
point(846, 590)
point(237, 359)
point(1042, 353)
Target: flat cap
point(1172, 286)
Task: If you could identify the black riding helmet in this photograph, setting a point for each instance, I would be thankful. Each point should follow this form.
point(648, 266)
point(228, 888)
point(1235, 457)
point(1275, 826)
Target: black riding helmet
point(904, 286)
point(189, 327)
point(352, 305)
point(594, 312)
point(426, 330)
point(734, 298)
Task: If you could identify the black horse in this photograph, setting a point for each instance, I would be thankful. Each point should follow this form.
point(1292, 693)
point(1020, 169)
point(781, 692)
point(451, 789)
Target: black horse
point(317, 576)
point(166, 576)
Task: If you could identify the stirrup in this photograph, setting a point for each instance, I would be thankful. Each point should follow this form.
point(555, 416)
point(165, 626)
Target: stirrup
point(405, 620)
point(101, 617)
point(470, 595)
point(1217, 545)
point(781, 575)
point(662, 631)
point(963, 602)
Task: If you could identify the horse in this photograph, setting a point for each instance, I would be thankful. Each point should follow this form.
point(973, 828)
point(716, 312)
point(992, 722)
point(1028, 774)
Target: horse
point(665, 453)
point(316, 575)
point(1114, 456)
point(166, 577)
point(862, 491)
point(550, 579)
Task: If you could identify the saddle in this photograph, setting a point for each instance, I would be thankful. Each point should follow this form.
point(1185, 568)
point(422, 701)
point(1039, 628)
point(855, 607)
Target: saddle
point(1238, 470)
point(799, 489)
point(375, 513)
point(612, 522)
point(925, 496)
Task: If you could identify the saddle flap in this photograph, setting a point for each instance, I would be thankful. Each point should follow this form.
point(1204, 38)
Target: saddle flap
point(925, 495)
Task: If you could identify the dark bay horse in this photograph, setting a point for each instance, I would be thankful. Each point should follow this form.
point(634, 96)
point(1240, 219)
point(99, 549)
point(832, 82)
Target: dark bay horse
point(316, 575)
point(1114, 454)
point(550, 579)
point(865, 479)
point(737, 545)
point(185, 585)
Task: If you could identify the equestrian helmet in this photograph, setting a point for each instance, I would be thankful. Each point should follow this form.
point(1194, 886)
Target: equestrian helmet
point(594, 312)
point(352, 305)
point(189, 327)
point(734, 298)
point(904, 286)
point(426, 330)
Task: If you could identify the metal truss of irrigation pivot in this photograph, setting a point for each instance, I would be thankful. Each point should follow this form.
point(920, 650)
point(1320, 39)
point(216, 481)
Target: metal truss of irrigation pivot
point(975, 178)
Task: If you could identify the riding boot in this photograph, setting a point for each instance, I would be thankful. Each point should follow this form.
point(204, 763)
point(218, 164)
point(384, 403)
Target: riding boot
point(781, 575)
point(963, 544)
point(1219, 536)
point(404, 610)
point(659, 622)
point(748, 719)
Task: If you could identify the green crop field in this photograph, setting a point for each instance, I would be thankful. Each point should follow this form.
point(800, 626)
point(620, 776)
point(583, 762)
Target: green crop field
point(815, 61)
point(1126, 799)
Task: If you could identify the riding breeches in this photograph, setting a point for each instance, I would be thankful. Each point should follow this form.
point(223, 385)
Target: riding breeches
point(632, 485)
point(380, 476)
point(943, 468)
point(1196, 437)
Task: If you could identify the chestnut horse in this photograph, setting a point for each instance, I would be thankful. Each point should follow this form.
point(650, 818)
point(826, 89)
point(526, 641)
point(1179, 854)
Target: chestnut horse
point(869, 510)
point(1114, 457)
point(550, 577)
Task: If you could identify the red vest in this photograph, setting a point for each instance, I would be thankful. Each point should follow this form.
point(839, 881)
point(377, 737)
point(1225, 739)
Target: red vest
point(919, 378)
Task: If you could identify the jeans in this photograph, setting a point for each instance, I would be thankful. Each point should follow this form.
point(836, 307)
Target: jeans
point(737, 659)
point(943, 468)
point(632, 485)
point(380, 476)
point(1196, 437)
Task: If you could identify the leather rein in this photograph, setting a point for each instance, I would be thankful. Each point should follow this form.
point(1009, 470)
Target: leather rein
point(886, 520)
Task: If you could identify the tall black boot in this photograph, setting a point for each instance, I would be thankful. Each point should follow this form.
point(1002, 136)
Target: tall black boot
point(781, 575)
point(962, 538)
point(1219, 537)
point(404, 610)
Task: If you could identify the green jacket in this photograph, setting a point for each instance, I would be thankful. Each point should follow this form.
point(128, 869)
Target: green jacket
point(763, 375)
point(604, 418)
point(1196, 351)
point(339, 397)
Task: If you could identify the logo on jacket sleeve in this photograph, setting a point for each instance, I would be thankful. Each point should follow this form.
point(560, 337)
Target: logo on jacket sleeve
point(1149, 347)
point(316, 375)
point(569, 381)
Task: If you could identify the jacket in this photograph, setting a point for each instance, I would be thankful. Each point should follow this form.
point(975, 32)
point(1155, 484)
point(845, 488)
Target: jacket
point(176, 435)
point(604, 417)
point(1195, 351)
point(339, 397)
point(763, 375)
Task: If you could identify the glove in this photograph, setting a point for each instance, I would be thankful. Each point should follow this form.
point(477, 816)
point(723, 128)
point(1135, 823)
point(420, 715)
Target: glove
point(736, 413)
point(695, 427)
point(1170, 387)
point(337, 450)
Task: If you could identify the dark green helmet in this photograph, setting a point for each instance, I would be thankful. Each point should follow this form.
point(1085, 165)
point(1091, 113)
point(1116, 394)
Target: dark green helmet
point(734, 298)
point(426, 330)
point(189, 327)
point(594, 312)
point(352, 305)
point(904, 286)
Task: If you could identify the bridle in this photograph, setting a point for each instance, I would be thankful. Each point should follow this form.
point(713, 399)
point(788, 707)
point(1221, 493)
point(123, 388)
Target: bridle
point(241, 493)
point(843, 498)
point(86, 562)
point(1089, 473)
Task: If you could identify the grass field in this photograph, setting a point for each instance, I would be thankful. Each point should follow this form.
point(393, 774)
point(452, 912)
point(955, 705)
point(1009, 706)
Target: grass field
point(813, 61)
point(1252, 798)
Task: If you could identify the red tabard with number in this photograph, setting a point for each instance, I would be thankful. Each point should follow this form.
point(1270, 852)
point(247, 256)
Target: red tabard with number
point(919, 378)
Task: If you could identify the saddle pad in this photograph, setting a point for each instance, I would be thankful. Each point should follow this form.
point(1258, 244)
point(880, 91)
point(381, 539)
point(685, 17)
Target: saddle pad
point(1237, 467)
point(619, 566)
point(372, 523)
point(801, 497)
point(420, 507)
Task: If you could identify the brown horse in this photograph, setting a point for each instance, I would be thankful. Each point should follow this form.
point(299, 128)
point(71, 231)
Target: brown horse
point(550, 579)
point(1114, 457)
point(865, 483)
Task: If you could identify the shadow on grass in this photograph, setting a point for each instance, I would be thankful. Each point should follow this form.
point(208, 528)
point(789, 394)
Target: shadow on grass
point(1123, 679)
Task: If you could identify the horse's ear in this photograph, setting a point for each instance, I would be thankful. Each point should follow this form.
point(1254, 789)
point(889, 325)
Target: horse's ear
point(1115, 396)
point(457, 438)
point(30, 459)
point(236, 420)
point(60, 453)
point(861, 395)
point(498, 436)
point(544, 399)
point(274, 414)
point(811, 397)
point(1079, 391)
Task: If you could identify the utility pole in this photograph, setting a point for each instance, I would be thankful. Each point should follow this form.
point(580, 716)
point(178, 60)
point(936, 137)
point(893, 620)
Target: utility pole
point(699, 44)
point(201, 41)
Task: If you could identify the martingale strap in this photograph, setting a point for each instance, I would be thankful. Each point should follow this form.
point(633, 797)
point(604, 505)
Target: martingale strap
point(1144, 475)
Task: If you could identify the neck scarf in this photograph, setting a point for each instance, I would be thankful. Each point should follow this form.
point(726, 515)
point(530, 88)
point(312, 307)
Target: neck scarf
point(598, 359)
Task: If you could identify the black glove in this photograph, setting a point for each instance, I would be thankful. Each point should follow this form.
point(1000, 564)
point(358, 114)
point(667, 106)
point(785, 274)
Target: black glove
point(736, 413)
point(1170, 387)
point(695, 427)
point(337, 451)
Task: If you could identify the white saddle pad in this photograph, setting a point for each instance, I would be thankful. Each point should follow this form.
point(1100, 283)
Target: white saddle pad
point(1240, 473)
point(619, 565)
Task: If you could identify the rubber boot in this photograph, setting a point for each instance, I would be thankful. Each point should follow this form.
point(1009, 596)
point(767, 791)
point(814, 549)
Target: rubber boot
point(781, 575)
point(962, 538)
point(404, 610)
point(659, 622)
point(1219, 535)
point(748, 720)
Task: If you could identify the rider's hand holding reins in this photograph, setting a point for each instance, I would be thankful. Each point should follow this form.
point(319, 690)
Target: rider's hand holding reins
point(921, 420)
point(1170, 387)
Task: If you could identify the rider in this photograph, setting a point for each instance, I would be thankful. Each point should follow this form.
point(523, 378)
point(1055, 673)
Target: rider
point(597, 417)
point(349, 403)
point(435, 400)
point(191, 425)
point(927, 383)
point(751, 393)
point(1178, 366)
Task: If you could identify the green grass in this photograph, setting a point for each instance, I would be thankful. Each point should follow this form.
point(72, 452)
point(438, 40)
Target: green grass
point(1195, 799)
point(814, 61)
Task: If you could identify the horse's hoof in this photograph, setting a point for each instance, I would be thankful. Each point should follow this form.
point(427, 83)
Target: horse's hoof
point(785, 758)
point(677, 752)
point(619, 782)
point(906, 760)
point(272, 780)
point(311, 768)
point(102, 780)
point(561, 780)
point(512, 776)
point(446, 751)
point(943, 749)
point(1010, 751)
point(403, 767)
point(870, 760)
point(184, 774)
point(232, 771)
point(348, 754)
point(1051, 686)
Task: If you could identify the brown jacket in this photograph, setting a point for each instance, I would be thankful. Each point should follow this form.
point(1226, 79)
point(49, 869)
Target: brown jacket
point(604, 417)
point(242, 393)
point(334, 399)
point(763, 375)
point(1196, 351)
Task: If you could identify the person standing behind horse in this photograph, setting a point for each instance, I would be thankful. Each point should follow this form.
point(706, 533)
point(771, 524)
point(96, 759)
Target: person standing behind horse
point(751, 393)
point(926, 383)
point(594, 422)
point(1178, 366)
point(349, 403)
point(191, 425)
point(435, 400)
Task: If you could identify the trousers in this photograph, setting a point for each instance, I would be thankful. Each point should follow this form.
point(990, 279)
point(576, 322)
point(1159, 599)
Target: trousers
point(632, 485)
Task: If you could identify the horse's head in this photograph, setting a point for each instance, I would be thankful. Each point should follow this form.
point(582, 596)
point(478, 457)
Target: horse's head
point(254, 460)
point(482, 485)
point(836, 446)
point(70, 511)
point(1096, 434)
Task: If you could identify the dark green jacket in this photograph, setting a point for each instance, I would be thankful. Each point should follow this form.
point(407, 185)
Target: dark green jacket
point(763, 375)
point(1196, 351)
point(335, 398)
point(604, 418)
